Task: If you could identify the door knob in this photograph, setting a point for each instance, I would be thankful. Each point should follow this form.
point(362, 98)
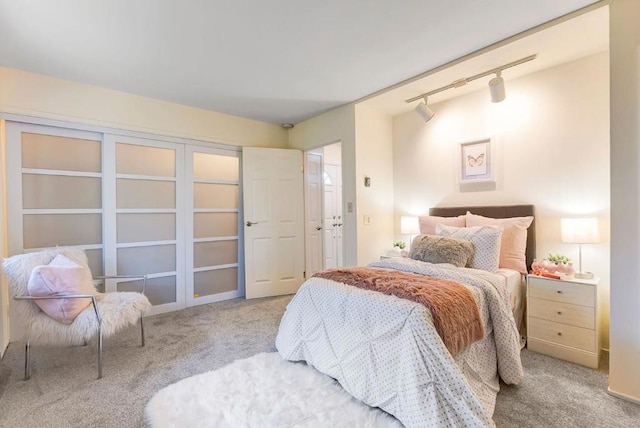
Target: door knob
point(319, 228)
point(339, 224)
point(251, 223)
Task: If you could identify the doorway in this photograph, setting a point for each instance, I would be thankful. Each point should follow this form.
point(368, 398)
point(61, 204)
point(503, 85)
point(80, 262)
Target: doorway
point(324, 216)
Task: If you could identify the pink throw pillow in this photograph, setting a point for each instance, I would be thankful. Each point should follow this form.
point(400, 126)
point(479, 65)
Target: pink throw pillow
point(428, 223)
point(514, 238)
point(61, 276)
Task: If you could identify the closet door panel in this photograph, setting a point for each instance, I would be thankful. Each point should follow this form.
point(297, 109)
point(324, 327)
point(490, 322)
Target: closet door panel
point(148, 194)
point(207, 195)
point(146, 222)
point(216, 167)
point(51, 230)
point(215, 253)
point(213, 248)
point(60, 152)
point(146, 260)
point(146, 227)
point(151, 160)
point(41, 191)
point(212, 225)
point(217, 281)
point(160, 291)
point(54, 193)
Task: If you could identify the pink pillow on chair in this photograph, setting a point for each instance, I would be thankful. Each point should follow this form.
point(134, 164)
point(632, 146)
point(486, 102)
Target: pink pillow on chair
point(61, 276)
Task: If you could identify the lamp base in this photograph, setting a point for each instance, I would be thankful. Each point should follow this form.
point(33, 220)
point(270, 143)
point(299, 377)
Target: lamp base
point(584, 275)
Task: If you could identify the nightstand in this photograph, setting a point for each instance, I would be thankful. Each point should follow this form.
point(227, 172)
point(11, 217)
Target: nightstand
point(562, 319)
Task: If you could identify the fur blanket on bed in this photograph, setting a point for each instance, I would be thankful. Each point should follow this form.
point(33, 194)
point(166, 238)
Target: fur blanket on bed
point(456, 316)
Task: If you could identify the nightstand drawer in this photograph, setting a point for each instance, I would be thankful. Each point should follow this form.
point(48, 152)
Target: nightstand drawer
point(563, 334)
point(562, 291)
point(564, 313)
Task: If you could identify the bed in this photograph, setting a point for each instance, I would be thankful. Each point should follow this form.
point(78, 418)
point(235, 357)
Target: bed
point(387, 352)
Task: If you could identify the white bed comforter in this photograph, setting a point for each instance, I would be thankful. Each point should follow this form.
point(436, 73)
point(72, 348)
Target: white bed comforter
point(385, 351)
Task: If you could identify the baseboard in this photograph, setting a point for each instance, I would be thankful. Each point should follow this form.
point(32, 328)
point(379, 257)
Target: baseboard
point(623, 396)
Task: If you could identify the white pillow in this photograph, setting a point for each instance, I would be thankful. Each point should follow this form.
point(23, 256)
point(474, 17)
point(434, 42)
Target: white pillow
point(485, 239)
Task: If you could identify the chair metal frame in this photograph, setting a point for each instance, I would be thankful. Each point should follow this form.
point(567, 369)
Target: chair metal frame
point(94, 302)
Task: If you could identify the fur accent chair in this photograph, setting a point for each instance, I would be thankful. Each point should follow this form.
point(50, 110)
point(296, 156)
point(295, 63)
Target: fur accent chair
point(107, 314)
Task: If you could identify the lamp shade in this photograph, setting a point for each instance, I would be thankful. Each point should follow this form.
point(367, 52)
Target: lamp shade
point(409, 225)
point(496, 88)
point(424, 111)
point(580, 230)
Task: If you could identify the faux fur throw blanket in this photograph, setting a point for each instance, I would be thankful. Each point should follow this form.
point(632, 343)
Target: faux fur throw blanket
point(456, 316)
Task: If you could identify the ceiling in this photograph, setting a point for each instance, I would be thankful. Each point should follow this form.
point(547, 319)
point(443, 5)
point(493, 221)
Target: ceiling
point(276, 61)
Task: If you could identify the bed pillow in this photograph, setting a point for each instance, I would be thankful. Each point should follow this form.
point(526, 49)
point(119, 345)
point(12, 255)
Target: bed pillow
point(428, 223)
point(61, 276)
point(513, 247)
point(440, 249)
point(485, 239)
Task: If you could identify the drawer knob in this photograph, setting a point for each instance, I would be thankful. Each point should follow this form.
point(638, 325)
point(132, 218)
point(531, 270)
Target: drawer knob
point(559, 292)
point(559, 334)
point(559, 313)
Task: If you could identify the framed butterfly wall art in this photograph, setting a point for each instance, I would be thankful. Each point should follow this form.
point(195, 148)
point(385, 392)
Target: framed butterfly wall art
point(475, 161)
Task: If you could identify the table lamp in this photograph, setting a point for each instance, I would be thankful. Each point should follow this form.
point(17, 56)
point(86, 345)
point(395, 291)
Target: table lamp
point(580, 231)
point(409, 225)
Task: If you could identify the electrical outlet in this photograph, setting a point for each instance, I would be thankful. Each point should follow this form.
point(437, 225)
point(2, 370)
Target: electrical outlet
point(366, 220)
point(349, 207)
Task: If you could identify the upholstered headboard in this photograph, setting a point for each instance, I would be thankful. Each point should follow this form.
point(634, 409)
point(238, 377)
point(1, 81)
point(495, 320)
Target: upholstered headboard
point(504, 211)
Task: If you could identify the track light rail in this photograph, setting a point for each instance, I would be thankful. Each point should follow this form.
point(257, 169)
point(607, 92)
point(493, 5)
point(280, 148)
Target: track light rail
point(461, 82)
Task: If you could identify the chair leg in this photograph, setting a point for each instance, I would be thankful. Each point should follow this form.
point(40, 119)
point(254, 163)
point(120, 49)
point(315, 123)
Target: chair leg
point(142, 330)
point(99, 353)
point(27, 357)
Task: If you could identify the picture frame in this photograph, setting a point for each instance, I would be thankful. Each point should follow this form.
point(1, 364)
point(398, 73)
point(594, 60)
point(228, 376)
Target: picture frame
point(475, 162)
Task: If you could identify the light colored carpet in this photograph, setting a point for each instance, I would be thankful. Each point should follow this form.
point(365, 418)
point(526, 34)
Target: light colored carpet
point(240, 395)
point(64, 391)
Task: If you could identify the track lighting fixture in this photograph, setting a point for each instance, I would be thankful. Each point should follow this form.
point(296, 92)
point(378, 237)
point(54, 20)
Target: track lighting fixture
point(424, 111)
point(496, 87)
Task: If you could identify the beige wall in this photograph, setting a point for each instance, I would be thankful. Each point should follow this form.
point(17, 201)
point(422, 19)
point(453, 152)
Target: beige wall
point(374, 159)
point(624, 373)
point(551, 149)
point(337, 125)
point(38, 95)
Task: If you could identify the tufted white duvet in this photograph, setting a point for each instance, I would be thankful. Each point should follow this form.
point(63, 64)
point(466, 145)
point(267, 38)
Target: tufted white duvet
point(385, 351)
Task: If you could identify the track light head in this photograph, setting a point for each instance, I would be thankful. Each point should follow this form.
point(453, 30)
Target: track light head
point(424, 111)
point(496, 88)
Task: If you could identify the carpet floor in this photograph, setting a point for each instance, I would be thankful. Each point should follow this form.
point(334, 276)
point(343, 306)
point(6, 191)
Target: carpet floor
point(64, 391)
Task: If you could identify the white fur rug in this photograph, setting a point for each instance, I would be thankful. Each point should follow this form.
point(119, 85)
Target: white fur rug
point(261, 391)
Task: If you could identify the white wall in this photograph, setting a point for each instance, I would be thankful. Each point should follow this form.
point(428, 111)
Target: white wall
point(374, 159)
point(551, 149)
point(337, 125)
point(624, 373)
point(38, 95)
point(4, 296)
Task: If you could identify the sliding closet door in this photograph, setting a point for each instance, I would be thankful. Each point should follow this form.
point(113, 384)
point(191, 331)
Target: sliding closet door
point(213, 227)
point(144, 218)
point(54, 192)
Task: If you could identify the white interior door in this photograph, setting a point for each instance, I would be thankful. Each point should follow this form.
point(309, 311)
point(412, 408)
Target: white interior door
point(330, 217)
point(340, 221)
point(273, 197)
point(313, 213)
